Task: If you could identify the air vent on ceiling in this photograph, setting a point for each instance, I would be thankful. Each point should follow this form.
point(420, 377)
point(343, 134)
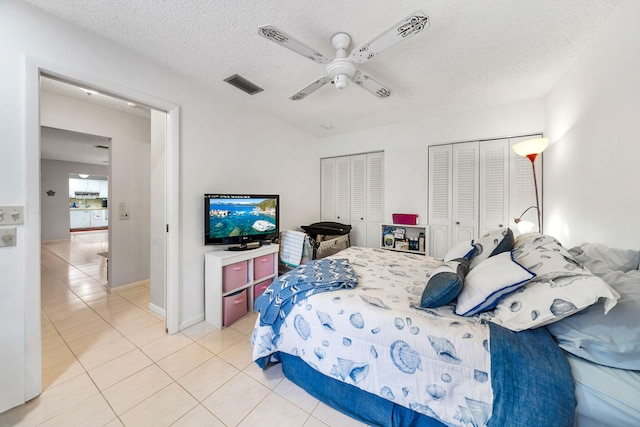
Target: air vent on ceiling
point(104, 147)
point(243, 84)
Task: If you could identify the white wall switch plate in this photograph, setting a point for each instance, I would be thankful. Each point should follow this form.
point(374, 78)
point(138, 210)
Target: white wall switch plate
point(7, 236)
point(11, 215)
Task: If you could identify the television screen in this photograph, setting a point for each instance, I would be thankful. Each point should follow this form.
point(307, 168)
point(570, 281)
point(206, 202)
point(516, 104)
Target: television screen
point(240, 218)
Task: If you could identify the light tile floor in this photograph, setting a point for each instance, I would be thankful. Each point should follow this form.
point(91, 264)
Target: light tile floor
point(107, 361)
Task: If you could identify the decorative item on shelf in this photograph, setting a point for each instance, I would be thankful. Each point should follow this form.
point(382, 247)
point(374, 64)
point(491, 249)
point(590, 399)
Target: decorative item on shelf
point(530, 149)
point(413, 244)
point(406, 219)
point(402, 244)
point(421, 242)
point(399, 233)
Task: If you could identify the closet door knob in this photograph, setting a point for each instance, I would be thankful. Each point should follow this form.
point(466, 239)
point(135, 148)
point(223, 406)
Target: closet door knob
point(457, 222)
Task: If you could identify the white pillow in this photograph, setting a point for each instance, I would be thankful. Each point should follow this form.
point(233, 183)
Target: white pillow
point(464, 250)
point(490, 281)
point(562, 287)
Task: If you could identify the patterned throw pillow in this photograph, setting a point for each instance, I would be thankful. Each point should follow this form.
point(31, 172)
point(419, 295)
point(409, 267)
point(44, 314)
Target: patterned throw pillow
point(561, 288)
point(492, 243)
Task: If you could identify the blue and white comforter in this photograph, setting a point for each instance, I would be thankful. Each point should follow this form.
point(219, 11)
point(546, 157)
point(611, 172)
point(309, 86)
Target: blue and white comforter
point(431, 361)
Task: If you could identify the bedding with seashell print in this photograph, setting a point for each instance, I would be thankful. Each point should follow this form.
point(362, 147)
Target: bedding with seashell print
point(429, 361)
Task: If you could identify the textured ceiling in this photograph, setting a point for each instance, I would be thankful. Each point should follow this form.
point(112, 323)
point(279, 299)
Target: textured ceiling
point(58, 144)
point(475, 54)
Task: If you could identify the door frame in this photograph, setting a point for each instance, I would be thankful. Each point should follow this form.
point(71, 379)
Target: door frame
point(33, 69)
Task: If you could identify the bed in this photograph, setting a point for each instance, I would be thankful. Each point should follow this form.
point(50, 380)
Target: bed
point(399, 339)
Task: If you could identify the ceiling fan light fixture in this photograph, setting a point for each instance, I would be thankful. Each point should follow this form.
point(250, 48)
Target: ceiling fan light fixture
point(341, 81)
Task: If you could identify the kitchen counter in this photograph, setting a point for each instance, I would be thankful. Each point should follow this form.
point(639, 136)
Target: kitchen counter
point(87, 209)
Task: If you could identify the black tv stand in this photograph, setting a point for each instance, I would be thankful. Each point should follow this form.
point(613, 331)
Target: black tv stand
point(243, 247)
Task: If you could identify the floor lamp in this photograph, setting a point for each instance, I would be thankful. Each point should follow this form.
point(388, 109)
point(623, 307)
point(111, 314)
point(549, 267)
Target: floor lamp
point(530, 149)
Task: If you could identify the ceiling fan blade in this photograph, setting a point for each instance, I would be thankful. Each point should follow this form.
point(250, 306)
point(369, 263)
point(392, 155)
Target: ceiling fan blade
point(409, 27)
point(309, 89)
point(274, 34)
point(372, 85)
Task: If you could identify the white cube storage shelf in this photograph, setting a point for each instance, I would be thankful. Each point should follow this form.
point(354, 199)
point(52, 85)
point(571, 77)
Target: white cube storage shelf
point(234, 279)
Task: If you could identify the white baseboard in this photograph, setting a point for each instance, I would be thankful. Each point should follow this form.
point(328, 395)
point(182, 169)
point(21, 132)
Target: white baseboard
point(128, 286)
point(157, 310)
point(190, 322)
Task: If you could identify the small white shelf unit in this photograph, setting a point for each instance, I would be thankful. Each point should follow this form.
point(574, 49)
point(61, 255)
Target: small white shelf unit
point(410, 232)
point(233, 279)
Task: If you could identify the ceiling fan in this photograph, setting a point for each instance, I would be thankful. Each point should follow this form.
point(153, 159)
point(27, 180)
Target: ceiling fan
point(342, 69)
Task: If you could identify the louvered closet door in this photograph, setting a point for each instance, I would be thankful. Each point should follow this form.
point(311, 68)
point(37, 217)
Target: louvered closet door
point(375, 198)
point(465, 191)
point(494, 184)
point(328, 189)
point(440, 206)
point(343, 189)
point(358, 200)
point(522, 194)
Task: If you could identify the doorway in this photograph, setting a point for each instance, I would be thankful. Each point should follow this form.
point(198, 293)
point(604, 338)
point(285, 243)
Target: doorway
point(170, 213)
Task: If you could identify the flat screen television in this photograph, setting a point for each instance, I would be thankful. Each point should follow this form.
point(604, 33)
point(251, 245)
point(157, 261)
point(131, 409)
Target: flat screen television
point(231, 219)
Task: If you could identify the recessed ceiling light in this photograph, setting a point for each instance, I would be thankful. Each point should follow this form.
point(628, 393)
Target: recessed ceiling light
point(327, 126)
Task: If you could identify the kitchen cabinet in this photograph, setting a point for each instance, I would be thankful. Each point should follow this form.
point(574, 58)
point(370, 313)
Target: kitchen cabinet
point(79, 218)
point(104, 188)
point(99, 218)
point(88, 218)
point(77, 184)
point(97, 186)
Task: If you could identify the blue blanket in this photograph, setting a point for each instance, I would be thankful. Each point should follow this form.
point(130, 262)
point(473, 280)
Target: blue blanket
point(317, 276)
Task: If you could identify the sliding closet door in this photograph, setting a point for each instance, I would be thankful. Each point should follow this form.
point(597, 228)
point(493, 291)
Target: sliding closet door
point(466, 187)
point(440, 206)
point(494, 184)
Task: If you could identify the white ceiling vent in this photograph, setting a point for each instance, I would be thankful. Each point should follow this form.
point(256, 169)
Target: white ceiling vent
point(243, 84)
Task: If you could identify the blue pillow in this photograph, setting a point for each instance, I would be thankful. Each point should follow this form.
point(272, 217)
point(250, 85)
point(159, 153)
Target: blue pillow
point(445, 283)
point(612, 339)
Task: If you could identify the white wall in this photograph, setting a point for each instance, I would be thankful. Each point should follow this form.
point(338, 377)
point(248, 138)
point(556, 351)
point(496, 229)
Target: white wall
point(591, 170)
point(129, 173)
point(158, 218)
point(55, 176)
point(405, 147)
point(222, 148)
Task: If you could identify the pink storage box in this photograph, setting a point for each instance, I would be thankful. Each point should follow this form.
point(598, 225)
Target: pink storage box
point(259, 288)
point(406, 219)
point(263, 266)
point(234, 276)
point(234, 307)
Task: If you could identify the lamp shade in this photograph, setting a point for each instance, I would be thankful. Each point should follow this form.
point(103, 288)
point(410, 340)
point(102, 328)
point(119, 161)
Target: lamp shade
point(531, 147)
